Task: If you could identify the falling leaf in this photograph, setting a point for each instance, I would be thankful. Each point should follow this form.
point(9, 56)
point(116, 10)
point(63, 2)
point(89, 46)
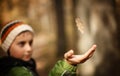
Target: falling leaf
point(79, 25)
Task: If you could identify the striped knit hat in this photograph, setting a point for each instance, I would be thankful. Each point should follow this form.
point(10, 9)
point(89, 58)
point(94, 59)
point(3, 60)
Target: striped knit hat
point(10, 31)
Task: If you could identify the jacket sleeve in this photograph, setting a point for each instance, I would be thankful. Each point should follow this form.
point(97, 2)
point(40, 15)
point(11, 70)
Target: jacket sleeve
point(19, 71)
point(62, 68)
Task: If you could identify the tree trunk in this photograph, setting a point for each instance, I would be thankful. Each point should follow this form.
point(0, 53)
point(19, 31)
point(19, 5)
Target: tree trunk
point(61, 35)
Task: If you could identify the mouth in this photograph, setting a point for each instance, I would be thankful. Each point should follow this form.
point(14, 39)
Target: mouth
point(28, 56)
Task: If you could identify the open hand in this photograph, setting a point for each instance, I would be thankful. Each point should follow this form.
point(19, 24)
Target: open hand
point(77, 59)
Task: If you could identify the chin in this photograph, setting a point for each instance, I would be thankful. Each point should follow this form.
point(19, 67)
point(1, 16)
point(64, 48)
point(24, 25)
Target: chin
point(26, 59)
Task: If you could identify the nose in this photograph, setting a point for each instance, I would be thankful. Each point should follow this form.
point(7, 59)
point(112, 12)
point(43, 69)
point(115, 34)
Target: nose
point(28, 48)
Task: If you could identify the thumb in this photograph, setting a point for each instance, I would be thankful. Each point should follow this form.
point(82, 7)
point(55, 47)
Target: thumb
point(68, 54)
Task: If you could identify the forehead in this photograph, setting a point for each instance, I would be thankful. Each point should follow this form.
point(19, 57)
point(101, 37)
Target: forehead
point(25, 34)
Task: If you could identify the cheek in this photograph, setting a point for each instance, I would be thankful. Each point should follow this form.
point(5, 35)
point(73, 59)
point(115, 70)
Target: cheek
point(16, 52)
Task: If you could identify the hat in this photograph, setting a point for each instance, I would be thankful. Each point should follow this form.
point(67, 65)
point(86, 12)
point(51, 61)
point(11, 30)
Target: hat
point(10, 31)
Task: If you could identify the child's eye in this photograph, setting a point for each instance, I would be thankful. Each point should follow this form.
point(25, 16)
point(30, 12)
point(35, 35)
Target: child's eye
point(31, 42)
point(21, 44)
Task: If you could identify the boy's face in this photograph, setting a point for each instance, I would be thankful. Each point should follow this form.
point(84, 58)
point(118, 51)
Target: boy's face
point(21, 47)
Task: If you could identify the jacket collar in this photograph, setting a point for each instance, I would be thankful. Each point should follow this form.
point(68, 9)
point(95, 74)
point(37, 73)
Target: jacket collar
point(8, 62)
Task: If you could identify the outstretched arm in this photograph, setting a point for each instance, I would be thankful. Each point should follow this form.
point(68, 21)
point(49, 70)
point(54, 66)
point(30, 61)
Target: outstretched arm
point(66, 67)
point(77, 59)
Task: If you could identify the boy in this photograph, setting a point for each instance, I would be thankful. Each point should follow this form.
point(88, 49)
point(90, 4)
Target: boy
point(16, 41)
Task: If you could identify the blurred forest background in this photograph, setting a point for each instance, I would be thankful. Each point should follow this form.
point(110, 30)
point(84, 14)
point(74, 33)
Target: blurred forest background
point(56, 31)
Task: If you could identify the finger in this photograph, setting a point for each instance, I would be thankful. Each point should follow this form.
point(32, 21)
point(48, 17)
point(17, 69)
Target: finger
point(68, 54)
point(90, 51)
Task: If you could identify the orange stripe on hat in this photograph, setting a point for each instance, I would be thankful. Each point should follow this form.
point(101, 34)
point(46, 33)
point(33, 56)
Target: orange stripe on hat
point(9, 30)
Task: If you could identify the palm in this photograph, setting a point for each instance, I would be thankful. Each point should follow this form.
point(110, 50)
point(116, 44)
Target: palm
point(76, 59)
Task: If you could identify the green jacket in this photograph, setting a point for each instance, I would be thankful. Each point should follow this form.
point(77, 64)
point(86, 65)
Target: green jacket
point(19, 71)
point(61, 68)
point(10, 66)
